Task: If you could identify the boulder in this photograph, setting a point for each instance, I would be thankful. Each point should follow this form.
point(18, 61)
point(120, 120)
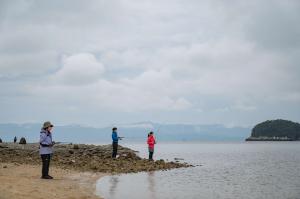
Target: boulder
point(22, 140)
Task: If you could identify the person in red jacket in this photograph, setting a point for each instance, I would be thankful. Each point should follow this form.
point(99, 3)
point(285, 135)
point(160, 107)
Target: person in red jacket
point(151, 141)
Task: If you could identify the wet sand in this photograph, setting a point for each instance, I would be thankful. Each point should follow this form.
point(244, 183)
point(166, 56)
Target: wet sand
point(23, 181)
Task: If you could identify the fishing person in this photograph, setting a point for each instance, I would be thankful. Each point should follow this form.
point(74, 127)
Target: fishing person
point(46, 150)
point(151, 142)
point(115, 140)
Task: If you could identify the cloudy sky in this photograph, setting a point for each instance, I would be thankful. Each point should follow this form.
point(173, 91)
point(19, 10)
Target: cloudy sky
point(102, 62)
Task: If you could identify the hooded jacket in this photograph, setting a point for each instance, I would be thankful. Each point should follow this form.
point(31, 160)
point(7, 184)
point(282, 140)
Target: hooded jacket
point(45, 142)
point(151, 141)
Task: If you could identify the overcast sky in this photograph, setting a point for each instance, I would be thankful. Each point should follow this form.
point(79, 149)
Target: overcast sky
point(171, 61)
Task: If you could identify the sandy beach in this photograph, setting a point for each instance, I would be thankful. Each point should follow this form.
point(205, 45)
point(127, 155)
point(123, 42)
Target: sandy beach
point(75, 169)
point(22, 181)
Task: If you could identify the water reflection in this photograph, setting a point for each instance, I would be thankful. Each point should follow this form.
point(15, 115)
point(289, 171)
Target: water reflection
point(151, 184)
point(255, 170)
point(142, 185)
point(113, 181)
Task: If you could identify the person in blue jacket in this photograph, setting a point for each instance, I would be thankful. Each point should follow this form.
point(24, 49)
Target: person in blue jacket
point(46, 150)
point(115, 140)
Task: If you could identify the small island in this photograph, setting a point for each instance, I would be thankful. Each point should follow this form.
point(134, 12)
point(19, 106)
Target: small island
point(275, 130)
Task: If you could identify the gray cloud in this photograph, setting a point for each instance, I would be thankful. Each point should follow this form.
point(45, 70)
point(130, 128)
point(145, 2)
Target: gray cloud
point(172, 61)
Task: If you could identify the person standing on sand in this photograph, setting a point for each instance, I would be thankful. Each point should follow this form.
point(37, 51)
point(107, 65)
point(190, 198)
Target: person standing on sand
point(46, 150)
point(151, 141)
point(115, 140)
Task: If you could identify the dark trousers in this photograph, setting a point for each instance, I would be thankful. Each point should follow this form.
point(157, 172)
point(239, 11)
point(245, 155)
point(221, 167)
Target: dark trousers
point(150, 155)
point(151, 151)
point(46, 163)
point(115, 149)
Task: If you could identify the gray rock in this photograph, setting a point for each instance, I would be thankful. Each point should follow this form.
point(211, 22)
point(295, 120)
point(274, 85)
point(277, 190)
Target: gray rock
point(71, 151)
point(22, 140)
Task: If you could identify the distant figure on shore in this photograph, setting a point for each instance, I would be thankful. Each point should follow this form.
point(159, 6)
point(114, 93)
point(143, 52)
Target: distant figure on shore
point(46, 151)
point(151, 141)
point(115, 140)
point(0, 140)
point(15, 139)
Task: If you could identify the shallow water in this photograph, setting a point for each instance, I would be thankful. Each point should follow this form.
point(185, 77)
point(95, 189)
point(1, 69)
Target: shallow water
point(228, 170)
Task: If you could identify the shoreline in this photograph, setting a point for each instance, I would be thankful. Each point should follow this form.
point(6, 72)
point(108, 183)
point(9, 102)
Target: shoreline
point(82, 157)
point(275, 139)
point(23, 181)
point(75, 168)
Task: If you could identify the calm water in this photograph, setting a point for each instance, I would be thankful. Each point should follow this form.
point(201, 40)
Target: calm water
point(268, 170)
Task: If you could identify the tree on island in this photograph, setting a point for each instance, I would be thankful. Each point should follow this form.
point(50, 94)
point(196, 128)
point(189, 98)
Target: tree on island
point(278, 129)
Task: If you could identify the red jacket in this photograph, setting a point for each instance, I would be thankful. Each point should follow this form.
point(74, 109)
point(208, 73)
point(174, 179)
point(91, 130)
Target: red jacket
point(151, 141)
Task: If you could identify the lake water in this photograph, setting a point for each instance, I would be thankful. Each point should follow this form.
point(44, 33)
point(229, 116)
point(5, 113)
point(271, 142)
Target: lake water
point(268, 170)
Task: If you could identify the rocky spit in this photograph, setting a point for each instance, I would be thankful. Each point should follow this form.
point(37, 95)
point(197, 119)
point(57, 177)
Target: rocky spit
point(83, 157)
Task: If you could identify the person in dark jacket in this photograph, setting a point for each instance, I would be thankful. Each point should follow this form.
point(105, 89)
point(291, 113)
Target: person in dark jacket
point(46, 150)
point(15, 139)
point(115, 140)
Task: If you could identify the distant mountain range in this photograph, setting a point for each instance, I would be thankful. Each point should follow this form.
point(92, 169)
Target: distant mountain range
point(131, 132)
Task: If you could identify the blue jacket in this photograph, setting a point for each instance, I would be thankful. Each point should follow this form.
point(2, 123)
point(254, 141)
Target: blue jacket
point(45, 142)
point(115, 137)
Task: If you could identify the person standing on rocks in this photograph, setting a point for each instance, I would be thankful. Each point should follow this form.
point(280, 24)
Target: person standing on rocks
point(151, 141)
point(115, 140)
point(15, 139)
point(46, 150)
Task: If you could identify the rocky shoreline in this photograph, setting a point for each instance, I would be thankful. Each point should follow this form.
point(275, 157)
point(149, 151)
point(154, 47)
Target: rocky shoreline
point(82, 157)
point(269, 139)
